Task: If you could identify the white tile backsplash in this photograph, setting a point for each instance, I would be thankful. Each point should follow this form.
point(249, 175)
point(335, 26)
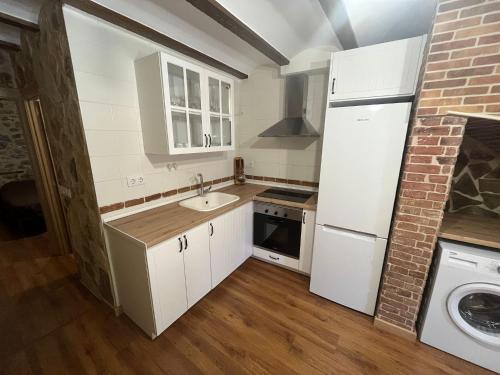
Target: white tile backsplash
point(108, 191)
point(262, 105)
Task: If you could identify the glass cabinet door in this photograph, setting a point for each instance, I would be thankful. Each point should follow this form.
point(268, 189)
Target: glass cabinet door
point(220, 111)
point(225, 97)
point(176, 85)
point(227, 139)
point(180, 129)
point(193, 89)
point(186, 108)
point(215, 133)
point(214, 95)
point(196, 130)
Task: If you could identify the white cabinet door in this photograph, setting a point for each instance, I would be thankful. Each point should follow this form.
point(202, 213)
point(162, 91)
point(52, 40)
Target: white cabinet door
point(168, 283)
point(242, 224)
point(362, 152)
point(220, 241)
point(184, 103)
point(197, 263)
point(346, 267)
point(220, 112)
point(231, 239)
point(306, 240)
point(184, 107)
point(381, 70)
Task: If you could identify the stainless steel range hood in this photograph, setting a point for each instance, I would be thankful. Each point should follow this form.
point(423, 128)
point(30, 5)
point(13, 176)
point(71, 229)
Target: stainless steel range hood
point(295, 123)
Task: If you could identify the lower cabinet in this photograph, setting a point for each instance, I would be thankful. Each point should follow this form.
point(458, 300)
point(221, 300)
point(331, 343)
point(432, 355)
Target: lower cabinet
point(197, 264)
point(230, 241)
point(167, 283)
point(156, 285)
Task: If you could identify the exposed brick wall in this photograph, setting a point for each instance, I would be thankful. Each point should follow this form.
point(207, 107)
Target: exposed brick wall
point(462, 73)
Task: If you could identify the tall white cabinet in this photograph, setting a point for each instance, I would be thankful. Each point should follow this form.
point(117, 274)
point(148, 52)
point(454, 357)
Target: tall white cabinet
point(185, 108)
point(382, 70)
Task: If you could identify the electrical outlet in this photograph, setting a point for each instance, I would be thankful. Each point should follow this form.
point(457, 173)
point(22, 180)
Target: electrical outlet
point(135, 180)
point(250, 164)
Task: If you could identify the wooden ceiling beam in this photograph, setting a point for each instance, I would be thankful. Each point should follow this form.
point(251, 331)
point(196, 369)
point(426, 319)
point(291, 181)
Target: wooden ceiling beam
point(336, 13)
point(221, 15)
point(9, 46)
point(18, 22)
point(129, 24)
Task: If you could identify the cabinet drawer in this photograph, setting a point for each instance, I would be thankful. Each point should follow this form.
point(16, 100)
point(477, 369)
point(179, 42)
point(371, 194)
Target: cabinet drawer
point(276, 258)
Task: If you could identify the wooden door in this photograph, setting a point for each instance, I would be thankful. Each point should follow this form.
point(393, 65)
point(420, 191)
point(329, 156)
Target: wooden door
point(45, 177)
point(197, 263)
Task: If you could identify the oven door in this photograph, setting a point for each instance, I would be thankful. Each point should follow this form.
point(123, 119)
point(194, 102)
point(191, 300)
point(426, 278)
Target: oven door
point(278, 234)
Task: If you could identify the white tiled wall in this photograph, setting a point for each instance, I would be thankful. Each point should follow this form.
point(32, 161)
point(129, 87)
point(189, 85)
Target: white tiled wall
point(103, 60)
point(262, 105)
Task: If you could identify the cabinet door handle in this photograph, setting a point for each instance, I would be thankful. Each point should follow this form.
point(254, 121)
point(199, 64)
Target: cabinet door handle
point(212, 230)
point(206, 140)
point(304, 217)
point(274, 258)
point(185, 242)
point(209, 140)
point(333, 86)
point(180, 244)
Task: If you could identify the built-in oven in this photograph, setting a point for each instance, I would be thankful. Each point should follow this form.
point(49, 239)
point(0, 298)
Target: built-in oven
point(277, 228)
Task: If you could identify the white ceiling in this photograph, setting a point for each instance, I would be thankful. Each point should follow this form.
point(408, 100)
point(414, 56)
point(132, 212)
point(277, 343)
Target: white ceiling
point(378, 21)
point(290, 26)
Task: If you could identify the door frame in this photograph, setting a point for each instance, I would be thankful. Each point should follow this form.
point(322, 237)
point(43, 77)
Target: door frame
point(32, 122)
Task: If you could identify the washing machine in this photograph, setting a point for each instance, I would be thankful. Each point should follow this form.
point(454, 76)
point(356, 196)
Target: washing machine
point(461, 313)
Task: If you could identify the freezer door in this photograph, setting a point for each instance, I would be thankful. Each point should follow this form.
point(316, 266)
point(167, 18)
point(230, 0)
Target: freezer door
point(362, 152)
point(346, 267)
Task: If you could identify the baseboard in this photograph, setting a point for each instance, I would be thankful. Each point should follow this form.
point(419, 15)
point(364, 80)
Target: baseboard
point(394, 329)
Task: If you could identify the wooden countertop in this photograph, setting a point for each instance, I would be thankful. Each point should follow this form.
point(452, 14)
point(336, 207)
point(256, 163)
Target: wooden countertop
point(161, 223)
point(475, 230)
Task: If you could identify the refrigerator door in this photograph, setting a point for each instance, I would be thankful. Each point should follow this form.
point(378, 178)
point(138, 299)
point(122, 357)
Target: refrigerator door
point(360, 165)
point(346, 267)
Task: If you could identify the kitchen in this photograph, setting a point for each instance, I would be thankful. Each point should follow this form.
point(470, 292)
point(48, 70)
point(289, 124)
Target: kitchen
point(355, 181)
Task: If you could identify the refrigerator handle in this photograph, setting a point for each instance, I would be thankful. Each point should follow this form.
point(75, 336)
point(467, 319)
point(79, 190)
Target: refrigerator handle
point(333, 86)
point(369, 237)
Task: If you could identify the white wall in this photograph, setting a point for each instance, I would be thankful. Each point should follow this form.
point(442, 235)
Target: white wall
point(262, 105)
point(103, 61)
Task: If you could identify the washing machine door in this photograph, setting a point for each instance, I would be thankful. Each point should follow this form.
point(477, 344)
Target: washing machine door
point(475, 309)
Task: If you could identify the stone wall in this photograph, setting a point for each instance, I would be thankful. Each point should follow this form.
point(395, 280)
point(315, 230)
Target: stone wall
point(15, 164)
point(472, 190)
point(45, 62)
point(461, 73)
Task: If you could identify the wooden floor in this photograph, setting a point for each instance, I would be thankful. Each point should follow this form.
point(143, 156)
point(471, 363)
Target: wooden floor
point(261, 319)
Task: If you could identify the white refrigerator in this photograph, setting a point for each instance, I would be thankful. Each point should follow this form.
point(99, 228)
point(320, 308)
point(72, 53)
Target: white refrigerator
point(360, 166)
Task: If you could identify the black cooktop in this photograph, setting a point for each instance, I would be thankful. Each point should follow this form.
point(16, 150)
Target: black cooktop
point(290, 195)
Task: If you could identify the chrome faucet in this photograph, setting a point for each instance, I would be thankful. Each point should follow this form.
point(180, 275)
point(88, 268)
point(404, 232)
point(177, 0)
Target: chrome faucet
point(202, 190)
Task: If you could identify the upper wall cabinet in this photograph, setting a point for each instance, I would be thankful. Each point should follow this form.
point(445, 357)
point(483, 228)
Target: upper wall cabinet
point(184, 107)
point(382, 70)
